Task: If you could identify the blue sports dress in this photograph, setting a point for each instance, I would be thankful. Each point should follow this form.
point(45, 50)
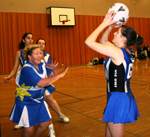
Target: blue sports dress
point(121, 105)
point(49, 89)
point(30, 107)
point(47, 57)
point(22, 59)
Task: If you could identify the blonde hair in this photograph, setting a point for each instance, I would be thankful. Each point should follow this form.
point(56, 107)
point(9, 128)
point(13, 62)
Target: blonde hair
point(28, 50)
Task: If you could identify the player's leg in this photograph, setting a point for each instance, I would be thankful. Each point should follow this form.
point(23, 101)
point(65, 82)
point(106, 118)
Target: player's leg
point(41, 129)
point(116, 130)
point(27, 132)
point(51, 130)
point(108, 134)
point(54, 105)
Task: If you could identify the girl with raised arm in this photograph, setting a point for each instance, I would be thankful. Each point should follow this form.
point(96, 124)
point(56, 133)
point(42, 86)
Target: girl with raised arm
point(121, 106)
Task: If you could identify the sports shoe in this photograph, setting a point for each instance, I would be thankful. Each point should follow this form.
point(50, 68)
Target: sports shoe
point(17, 127)
point(51, 133)
point(64, 118)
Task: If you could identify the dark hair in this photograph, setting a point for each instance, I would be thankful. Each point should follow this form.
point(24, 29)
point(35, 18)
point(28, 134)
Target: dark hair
point(22, 44)
point(139, 40)
point(131, 35)
point(28, 50)
point(40, 39)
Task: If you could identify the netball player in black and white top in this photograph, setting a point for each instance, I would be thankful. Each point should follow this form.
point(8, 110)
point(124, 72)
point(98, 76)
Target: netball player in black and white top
point(121, 106)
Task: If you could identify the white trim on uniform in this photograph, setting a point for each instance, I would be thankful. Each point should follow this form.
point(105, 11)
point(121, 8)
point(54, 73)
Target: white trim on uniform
point(24, 120)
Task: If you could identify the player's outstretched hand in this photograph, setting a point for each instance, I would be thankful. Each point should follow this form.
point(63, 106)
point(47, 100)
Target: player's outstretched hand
point(62, 74)
point(6, 79)
point(53, 65)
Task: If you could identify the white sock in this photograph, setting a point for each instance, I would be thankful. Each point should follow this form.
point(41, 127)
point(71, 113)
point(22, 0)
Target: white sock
point(51, 126)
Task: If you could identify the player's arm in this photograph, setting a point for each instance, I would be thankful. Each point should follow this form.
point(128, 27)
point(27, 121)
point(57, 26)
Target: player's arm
point(55, 71)
point(104, 38)
point(91, 42)
point(108, 50)
point(28, 74)
point(47, 81)
point(15, 68)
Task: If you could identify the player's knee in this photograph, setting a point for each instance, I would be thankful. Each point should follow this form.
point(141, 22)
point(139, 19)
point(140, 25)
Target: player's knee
point(51, 100)
point(45, 125)
point(28, 132)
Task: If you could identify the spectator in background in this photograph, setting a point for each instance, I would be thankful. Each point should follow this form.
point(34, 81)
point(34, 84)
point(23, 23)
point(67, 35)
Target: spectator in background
point(142, 53)
point(148, 51)
point(145, 48)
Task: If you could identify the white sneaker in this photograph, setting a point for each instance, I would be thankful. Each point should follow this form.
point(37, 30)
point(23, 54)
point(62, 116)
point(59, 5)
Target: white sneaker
point(64, 118)
point(51, 133)
point(17, 127)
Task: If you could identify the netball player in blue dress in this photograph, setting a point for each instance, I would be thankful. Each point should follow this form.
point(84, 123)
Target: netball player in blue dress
point(121, 105)
point(27, 39)
point(30, 107)
point(49, 89)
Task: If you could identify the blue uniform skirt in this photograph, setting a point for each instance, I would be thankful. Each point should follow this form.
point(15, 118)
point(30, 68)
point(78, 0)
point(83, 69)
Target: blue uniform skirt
point(121, 108)
point(30, 115)
point(49, 90)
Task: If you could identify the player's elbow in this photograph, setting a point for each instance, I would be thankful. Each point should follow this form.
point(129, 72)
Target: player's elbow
point(42, 84)
point(88, 43)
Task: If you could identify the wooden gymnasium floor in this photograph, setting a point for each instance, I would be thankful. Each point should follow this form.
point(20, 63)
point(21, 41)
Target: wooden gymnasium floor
point(81, 95)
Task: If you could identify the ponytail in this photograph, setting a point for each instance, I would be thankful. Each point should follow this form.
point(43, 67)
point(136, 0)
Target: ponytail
point(139, 40)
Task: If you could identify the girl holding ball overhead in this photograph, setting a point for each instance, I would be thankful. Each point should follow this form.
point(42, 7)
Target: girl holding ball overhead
point(121, 106)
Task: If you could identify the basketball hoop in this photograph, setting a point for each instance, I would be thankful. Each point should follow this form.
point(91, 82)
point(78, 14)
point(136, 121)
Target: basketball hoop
point(63, 22)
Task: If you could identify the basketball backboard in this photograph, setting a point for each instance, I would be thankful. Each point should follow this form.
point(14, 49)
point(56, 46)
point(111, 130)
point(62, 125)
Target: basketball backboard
point(62, 16)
